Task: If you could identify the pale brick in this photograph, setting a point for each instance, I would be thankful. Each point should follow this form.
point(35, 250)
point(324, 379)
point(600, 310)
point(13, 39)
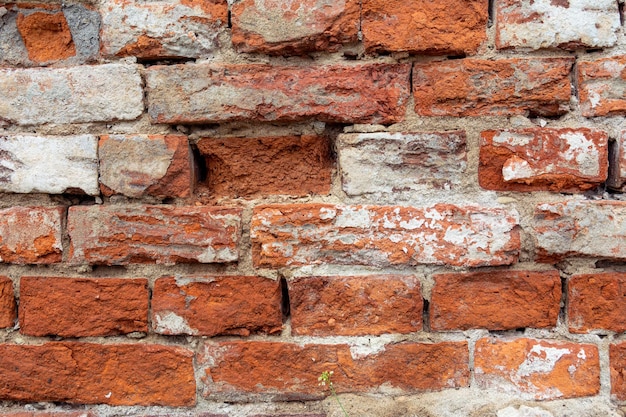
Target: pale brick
point(49, 164)
point(580, 228)
point(206, 93)
point(537, 24)
point(155, 29)
point(139, 165)
point(389, 162)
point(31, 235)
point(70, 95)
point(602, 86)
point(564, 160)
point(617, 164)
point(305, 234)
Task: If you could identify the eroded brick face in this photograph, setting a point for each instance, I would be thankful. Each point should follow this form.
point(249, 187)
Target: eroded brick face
point(617, 358)
point(7, 303)
point(596, 302)
point(31, 235)
point(47, 36)
point(601, 86)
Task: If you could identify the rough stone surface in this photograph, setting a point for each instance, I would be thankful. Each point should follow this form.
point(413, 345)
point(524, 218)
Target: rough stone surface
point(75, 307)
point(140, 165)
point(283, 370)
point(537, 369)
point(7, 303)
point(497, 300)
point(565, 160)
point(596, 302)
point(49, 164)
point(70, 95)
point(114, 235)
point(617, 358)
point(248, 167)
point(294, 28)
point(352, 306)
point(384, 162)
point(580, 228)
point(537, 24)
point(31, 235)
point(211, 306)
point(617, 163)
point(305, 234)
point(423, 26)
point(173, 29)
point(86, 373)
point(602, 86)
point(502, 87)
point(206, 93)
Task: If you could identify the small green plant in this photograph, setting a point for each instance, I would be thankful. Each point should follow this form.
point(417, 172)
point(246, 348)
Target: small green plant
point(324, 380)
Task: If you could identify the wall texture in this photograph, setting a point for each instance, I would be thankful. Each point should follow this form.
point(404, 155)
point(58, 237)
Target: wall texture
point(206, 204)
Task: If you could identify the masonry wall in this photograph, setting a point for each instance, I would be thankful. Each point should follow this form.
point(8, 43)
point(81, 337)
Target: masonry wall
point(205, 205)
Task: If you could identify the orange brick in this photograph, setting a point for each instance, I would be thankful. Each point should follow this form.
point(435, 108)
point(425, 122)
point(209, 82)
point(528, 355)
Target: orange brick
point(617, 360)
point(600, 86)
point(498, 300)
point(212, 306)
point(503, 87)
point(86, 373)
point(47, 36)
point(537, 369)
point(7, 303)
point(353, 306)
point(422, 26)
point(237, 370)
point(596, 302)
point(75, 307)
point(31, 235)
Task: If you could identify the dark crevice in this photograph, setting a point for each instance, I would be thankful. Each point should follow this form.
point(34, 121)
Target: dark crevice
point(563, 307)
point(574, 78)
point(200, 165)
point(411, 79)
point(148, 62)
point(620, 7)
point(452, 57)
point(230, 22)
point(426, 316)
point(492, 13)
point(285, 302)
point(613, 180)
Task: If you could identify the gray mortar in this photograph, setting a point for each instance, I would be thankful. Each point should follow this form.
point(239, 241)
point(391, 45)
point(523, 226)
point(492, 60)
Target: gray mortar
point(84, 25)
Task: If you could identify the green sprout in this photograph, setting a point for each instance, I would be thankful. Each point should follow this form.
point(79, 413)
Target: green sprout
point(325, 379)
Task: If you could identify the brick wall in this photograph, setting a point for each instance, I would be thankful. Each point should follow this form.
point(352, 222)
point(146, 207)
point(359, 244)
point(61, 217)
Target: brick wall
point(206, 204)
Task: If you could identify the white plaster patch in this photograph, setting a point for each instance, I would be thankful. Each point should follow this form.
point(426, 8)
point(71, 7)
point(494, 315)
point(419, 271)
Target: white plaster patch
point(541, 359)
point(351, 217)
point(168, 322)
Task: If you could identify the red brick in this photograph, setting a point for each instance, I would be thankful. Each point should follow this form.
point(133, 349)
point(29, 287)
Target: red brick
point(248, 167)
point(595, 229)
point(211, 306)
point(282, 370)
point(596, 302)
point(503, 87)
point(424, 26)
point(124, 168)
point(496, 300)
point(293, 28)
point(75, 307)
point(7, 303)
point(85, 373)
point(47, 36)
point(537, 369)
point(563, 160)
point(114, 235)
point(617, 360)
point(207, 93)
point(31, 235)
point(305, 234)
point(353, 306)
point(601, 86)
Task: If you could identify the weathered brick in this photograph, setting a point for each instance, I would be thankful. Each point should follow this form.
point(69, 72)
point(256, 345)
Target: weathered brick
point(205, 93)
point(305, 234)
point(247, 167)
point(617, 360)
point(537, 24)
point(564, 160)
point(48, 414)
point(75, 307)
point(283, 370)
point(70, 95)
point(401, 161)
point(496, 300)
point(602, 86)
point(86, 373)
point(596, 302)
point(7, 303)
point(180, 28)
point(211, 306)
point(424, 26)
point(140, 165)
point(47, 36)
point(111, 235)
point(31, 235)
point(503, 87)
point(617, 164)
point(49, 164)
point(294, 28)
point(353, 306)
point(537, 369)
point(580, 228)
